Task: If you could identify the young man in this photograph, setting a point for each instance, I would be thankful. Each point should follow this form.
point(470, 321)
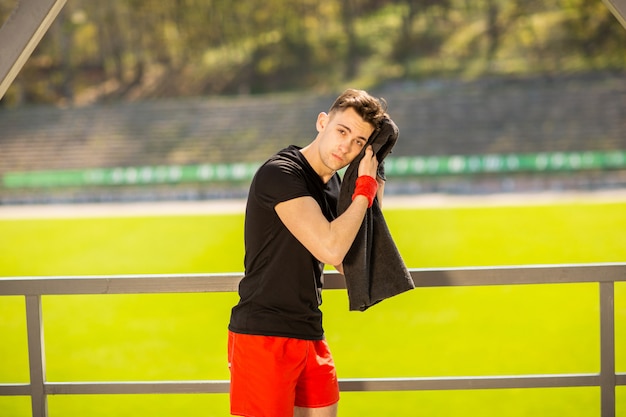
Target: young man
point(279, 360)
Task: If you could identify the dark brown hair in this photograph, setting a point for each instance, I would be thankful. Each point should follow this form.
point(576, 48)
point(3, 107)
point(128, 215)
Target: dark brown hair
point(371, 109)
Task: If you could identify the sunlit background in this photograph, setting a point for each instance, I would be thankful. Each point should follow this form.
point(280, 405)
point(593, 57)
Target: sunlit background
point(152, 100)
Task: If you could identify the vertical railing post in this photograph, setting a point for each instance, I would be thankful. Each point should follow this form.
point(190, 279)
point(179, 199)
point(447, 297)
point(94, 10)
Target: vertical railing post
point(607, 348)
point(36, 356)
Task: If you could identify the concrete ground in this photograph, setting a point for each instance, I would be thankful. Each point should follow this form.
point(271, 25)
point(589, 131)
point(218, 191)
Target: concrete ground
point(238, 206)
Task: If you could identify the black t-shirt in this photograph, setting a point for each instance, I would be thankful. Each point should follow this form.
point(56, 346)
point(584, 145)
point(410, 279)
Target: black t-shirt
point(280, 293)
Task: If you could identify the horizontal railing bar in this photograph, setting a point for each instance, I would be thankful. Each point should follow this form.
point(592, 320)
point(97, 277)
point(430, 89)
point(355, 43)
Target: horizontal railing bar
point(14, 389)
point(468, 383)
point(354, 384)
point(120, 284)
point(190, 283)
point(350, 384)
point(147, 387)
point(517, 275)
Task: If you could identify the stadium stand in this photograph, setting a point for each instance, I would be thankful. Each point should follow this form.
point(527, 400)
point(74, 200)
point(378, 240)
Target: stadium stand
point(436, 117)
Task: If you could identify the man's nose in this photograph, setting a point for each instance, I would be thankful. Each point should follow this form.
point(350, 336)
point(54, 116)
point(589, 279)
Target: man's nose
point(345, 145)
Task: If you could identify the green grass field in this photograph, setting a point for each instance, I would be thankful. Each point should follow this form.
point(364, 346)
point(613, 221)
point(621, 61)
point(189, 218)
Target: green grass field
point(537, 329)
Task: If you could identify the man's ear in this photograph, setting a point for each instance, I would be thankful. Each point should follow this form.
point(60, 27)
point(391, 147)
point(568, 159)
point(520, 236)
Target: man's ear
point(322, 121)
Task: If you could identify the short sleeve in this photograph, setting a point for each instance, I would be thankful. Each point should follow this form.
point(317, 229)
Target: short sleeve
point(278, 181)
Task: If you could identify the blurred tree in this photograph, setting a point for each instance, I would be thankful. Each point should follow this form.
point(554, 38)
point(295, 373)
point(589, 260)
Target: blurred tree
point(425, 41)
point(350, 12)
point(148, 48)
point(594, 30)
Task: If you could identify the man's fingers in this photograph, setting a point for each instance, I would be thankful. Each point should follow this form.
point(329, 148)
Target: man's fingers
point(369, 164)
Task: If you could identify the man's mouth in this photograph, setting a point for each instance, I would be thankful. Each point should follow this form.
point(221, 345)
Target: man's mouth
point(337, 157)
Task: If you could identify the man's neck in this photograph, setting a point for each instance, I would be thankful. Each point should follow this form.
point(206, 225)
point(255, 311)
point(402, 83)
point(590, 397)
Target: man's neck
point(311, 154)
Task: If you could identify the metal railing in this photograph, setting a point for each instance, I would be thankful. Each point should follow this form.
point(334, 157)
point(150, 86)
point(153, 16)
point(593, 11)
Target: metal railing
point(33, 288)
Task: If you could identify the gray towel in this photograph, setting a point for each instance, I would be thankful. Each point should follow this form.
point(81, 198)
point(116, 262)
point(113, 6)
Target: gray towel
point(373, 267)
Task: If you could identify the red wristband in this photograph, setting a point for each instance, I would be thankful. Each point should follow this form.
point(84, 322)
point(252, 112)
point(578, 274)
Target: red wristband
point(366, 186)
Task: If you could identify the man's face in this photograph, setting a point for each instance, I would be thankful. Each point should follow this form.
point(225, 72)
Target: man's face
point(343, 136)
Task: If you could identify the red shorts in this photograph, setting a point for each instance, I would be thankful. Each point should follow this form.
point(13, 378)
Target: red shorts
point(270, 375)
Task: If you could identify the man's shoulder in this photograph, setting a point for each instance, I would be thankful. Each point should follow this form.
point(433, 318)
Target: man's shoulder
point(283, 177)
point(289, 154)
point(288, 160)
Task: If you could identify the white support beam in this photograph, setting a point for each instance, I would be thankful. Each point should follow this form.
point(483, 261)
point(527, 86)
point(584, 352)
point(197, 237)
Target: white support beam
point(618, 8)
point(21, 33)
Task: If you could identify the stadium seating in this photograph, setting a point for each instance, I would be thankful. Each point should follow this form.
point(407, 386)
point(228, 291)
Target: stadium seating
point(436, 117)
